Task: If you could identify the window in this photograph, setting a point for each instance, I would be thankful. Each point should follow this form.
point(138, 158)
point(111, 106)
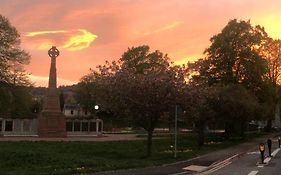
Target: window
point(86, 112)
point(76, 126)
point(93, 126)
point(71, 112)
point(85, 126)
point(0, 125)
point(8, 125)
point(69, 126)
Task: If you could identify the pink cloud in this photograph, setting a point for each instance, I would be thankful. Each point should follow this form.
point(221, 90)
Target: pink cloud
point(180, 28)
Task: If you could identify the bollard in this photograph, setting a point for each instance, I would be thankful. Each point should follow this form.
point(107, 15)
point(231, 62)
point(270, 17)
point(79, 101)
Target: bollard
point(261, 148)
point(269, 144)
point(279, 142)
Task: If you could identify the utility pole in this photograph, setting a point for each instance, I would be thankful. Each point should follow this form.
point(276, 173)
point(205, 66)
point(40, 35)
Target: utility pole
point(176, 128)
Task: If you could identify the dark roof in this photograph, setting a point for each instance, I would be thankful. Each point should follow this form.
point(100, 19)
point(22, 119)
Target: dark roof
point(70, 106)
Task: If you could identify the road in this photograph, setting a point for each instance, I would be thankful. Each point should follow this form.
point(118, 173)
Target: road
point(249, 164)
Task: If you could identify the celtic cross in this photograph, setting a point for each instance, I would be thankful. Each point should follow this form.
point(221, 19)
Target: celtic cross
point(54, 52)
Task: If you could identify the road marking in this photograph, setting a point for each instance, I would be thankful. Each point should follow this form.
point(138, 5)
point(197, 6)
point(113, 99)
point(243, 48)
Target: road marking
point(222, 162)
point(275, 152)
point(185, 172)
point(196, 168)
point(260, 166)
point(266, 160)
point(253, 173)
point(254, 152)
point(215, 168)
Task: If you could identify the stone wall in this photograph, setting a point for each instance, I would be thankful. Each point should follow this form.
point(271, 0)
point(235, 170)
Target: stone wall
point(29, 127)
point(84, 126)
point(20, 127)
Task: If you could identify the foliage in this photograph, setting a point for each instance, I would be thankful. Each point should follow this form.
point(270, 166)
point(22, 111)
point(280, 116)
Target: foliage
point(271, 51)
point(233, 56)
point(271, 94)
point(5, 100)
point(21, 102)
point(235, 105)
point(12, 57)
point(242, 64)
point(15, 98)
point(197, 108)
point(16, 102)
point(141, 85)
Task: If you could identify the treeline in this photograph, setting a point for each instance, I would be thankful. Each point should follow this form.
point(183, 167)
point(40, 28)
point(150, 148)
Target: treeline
point(16, 100)
point(237, 81)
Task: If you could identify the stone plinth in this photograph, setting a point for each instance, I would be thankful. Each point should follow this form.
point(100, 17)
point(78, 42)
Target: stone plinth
point(51, 122)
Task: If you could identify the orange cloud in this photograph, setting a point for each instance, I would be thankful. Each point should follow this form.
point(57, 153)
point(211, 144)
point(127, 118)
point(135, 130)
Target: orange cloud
point(81, 41)
point(45, 32)
point(71, 40)
point(162, 29)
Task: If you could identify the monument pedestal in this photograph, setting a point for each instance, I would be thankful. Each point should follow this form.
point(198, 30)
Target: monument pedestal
point(51, 124)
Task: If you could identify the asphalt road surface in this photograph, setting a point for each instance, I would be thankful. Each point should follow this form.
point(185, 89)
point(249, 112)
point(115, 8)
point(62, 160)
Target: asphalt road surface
point(250, 164)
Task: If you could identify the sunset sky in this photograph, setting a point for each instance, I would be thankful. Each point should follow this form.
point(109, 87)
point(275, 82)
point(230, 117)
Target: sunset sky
point(88, 32)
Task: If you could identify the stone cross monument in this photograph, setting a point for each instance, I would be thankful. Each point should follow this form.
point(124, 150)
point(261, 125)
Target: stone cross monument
point(51, 122)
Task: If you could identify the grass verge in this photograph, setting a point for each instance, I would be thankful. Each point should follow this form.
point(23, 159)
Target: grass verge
point(64, 158)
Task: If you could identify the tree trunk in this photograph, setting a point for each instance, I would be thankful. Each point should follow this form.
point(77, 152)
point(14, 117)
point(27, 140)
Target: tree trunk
point(269, 125)
point(227, 131)
point(242, 129)
point(200, 126)
point(149, 143)
point(277, 123)
point(201, 138)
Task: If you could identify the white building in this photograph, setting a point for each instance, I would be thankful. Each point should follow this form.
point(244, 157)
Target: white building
point(75, 111)
point(81, 122)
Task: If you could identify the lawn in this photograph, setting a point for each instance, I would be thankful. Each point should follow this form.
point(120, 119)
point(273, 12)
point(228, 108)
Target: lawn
point(63, 158)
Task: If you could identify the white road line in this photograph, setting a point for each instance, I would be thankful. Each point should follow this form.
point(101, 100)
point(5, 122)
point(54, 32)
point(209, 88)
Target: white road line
point(266, 160)
point(255, 152)
point(215, 168)
point(184, 172)
point(219, 166)
point(275, 152)
point(260, 166)
point(226, 160)
point(253, 173)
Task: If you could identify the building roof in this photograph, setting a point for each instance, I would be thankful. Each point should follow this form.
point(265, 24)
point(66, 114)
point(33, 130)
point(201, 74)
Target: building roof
point(71, 107)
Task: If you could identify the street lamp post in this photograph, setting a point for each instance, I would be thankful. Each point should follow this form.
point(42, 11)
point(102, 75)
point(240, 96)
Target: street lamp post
point(96, 107)
point(176, 128)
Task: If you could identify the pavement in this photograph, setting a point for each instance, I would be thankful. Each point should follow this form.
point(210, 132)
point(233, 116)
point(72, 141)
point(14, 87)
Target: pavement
point(90, 138)
point(206, 164)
